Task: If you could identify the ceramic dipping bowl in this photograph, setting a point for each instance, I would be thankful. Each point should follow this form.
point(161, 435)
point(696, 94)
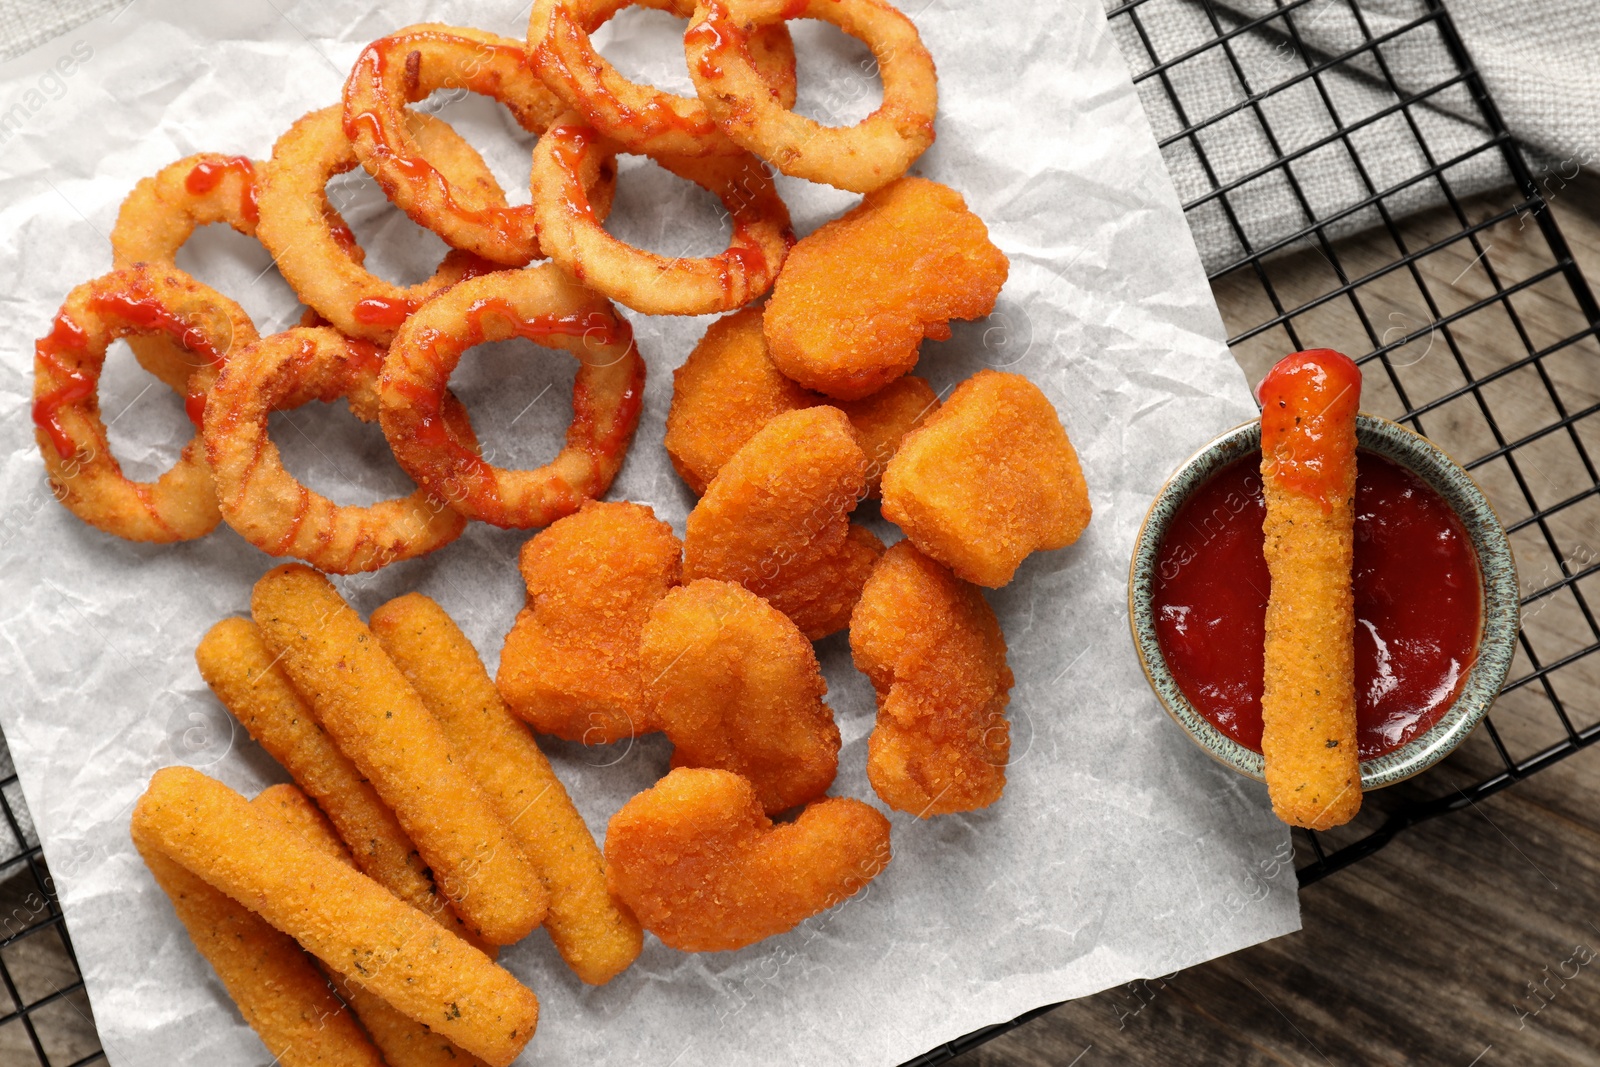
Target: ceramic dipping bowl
point(1497, 571)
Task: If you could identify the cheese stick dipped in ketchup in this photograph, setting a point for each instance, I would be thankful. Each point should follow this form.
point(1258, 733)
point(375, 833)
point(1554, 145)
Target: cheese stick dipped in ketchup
point(1308, 701)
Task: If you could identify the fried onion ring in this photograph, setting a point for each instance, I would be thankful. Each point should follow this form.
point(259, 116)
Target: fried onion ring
point(84, 475)
point(407, 66)
point(546, 306)
point(645, 281)
point(160, 215)
point(266, 504)
point(315, 250)
point(641, 118)
point(859, 158)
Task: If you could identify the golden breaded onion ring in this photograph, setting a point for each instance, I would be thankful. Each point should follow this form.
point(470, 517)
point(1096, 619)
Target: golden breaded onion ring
point(641, 118)
point(407, 66)
point(546, 306)
point(84, 475)
point(275, 512)
point(160, 214)
point(645, 281)
point(860, 158)
point(315, 250)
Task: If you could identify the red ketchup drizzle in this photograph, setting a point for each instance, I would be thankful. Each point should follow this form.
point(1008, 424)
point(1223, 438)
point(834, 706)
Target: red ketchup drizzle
point(427, 403)
point(720, 37)
point(1308, 409)
point(383, 311)
point(1418, 603)
point(570, 143)
point(65, 337)
point(653, 118)
point(343, 236)
point(148, 315)
point(742, 262)
point(208, 174)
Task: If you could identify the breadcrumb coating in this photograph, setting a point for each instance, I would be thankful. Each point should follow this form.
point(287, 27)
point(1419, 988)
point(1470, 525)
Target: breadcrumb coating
point(988, 479)
point(736, 686)
point(859, 294)
point(933, 649)
point(776, 520)
point(570, 666)
point(705, 870)
point(728, 389)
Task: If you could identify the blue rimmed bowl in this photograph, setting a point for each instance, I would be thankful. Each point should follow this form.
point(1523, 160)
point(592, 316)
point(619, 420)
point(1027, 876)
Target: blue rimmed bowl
point(1497, 640)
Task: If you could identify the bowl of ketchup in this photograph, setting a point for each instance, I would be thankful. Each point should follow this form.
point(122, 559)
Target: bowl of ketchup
point(1435, 586)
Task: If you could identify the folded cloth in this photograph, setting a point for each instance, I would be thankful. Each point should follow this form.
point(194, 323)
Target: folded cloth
point(1533, 60)
point(26, 24)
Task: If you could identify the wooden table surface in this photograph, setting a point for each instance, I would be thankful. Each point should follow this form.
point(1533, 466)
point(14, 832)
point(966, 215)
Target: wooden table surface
point(1472, 940)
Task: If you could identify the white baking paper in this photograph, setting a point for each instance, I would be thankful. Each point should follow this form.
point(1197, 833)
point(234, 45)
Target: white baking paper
point(1119, 850)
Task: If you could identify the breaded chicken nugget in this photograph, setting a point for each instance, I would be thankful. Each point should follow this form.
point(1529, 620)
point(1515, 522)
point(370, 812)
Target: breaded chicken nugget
point(883, 420)
point(989, 478)
point(935, 654)
point(776, 520)
point(596, 937)
point(570, 666)
point(725, 391)
point(705, 870)
point(857, 296)
point(729, 388)
point(736, 686)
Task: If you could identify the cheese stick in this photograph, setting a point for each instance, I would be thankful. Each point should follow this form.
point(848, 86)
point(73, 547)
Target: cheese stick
point(596, 936)
point(276, 986)
point(404, 1042)
point(243, 674)
point(1308, 702)
point(345, 919)
point(382, 725)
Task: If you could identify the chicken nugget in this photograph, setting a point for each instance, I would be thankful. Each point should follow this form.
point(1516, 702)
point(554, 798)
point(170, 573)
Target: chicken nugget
point(276, 986)
point(934, 651)
point(337, 914)
point(570, 666)
point(857, 296)
point(706, 870)
point(737, 687)
point(883, 420)
point(776, 520)
point(404, 1042)
point(245, 676)
point(987, 479)
point(725, 391)
point(728, 389)
point(379, 722)
point(596, 937)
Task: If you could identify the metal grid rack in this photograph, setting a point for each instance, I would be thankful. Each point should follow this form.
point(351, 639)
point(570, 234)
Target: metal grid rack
point(44, 1011)
point(1500, 381)
point(1506, 397)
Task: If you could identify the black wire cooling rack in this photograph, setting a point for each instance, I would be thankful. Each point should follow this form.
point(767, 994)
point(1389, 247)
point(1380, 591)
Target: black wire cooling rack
point(44, 1016)
point(1506, 397)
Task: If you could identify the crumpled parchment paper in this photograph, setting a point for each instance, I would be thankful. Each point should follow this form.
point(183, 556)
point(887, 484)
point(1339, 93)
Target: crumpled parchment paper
point(1119, 851)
